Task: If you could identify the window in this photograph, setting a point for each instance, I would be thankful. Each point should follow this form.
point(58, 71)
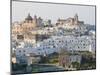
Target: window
point(19, 50)
point(84, 47)
point(53, 41)
point(78, 47)
point(72, 40)
point(59, 41)
point(23, 54)
point(39, 53)
point(54, 46)
point(23, 50)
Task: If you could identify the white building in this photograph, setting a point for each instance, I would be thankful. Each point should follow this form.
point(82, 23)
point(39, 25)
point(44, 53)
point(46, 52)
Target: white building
point(55, 43)
point(67, 42)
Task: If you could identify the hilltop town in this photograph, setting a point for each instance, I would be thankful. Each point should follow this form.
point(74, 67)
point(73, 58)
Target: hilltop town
point(69, 43)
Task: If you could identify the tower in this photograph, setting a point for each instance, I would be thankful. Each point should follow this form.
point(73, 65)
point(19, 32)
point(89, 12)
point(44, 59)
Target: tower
point(28, 18)
point(35, 18)
point(76, 19)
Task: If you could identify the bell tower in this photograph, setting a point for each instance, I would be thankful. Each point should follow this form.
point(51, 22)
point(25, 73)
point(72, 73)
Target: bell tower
point(76, 19)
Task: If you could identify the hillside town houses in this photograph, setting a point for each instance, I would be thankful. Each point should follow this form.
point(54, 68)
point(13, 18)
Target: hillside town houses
point(34, 37)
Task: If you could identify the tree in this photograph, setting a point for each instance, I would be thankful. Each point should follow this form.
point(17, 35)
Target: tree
point(63, 58)
point(76, 65)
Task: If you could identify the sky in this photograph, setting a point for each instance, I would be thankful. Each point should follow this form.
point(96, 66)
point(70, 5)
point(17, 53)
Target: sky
point(47, 11)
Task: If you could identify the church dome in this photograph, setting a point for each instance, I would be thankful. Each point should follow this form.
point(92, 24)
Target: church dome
point(28, 17)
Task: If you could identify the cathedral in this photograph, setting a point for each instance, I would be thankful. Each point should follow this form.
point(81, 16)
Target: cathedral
point(22, 31)
point(70, 21)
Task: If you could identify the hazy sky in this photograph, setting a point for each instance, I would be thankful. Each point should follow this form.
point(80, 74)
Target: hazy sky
point(20, 10)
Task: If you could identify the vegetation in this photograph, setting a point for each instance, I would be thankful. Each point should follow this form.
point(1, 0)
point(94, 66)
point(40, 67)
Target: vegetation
point(53, 61)
point(35, 70)
point(76, 65)
point(87, 62)
point(16, 67)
